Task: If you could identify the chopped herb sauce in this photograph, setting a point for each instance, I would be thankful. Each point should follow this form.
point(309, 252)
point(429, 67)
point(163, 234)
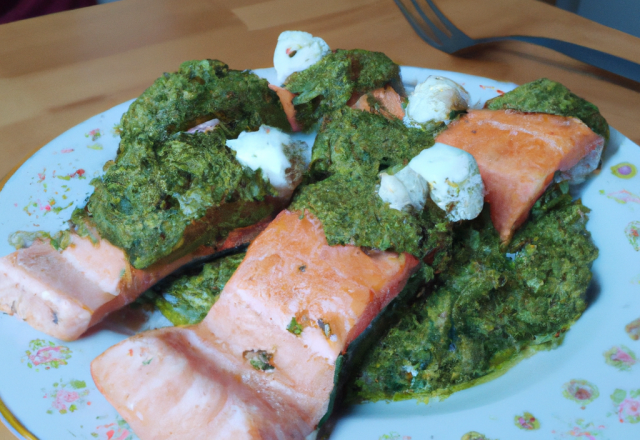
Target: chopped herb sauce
point(351, 139)
point(351, 212)
point(487, 310)
point(330, 83)
point(169, 191)
point(187, 299)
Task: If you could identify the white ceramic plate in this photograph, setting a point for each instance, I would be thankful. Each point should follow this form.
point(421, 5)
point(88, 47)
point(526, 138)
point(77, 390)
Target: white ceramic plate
point(589, 388)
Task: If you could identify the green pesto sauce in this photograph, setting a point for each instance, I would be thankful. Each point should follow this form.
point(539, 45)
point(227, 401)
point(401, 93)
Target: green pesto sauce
point(328, 84)
point(187, 299)
point(23, 239)
point(351, 139)
point(146, 210)
point(199, 91)
point(351, 212)
point(491, 307)
point(546, 96)
point(168, 191)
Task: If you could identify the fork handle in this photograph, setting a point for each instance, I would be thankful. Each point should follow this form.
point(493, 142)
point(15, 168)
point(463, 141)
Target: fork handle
point(605, 61)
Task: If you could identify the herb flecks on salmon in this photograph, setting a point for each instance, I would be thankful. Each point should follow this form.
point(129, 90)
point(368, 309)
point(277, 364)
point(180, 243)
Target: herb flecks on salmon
point(490, 308)
point(546, 96)
point(160, 198)
point(241, 373)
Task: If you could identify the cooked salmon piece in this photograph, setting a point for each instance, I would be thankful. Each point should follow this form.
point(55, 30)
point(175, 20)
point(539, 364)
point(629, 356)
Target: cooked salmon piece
point(286, 99)
point(518, 155)
point(64, 293)
point(390, 103)
point(261, 365)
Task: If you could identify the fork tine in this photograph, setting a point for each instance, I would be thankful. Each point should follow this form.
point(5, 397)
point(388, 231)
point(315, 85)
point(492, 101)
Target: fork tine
point(416, 27)
point(443, 18)
point(439, 34)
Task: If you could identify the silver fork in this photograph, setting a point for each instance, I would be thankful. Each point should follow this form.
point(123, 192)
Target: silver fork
point(446, 37)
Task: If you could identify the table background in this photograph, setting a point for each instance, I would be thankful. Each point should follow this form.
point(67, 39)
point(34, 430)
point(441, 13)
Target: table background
point(58, 70)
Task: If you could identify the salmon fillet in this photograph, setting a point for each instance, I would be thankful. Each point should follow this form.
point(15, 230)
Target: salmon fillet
point(389, 101)
point(246, 371)
point(64, 293)
point(518, 154)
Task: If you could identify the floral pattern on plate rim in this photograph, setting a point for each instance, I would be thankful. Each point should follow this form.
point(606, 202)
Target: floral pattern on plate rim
point(580, 391)
point(633, 329)
point(582, 429)
point(473, 435)
point(621, 357)
point(627, 405)
point(47, 354)
point(67, 397)
point(624, 170)
point(118, 430)
point(526, 422)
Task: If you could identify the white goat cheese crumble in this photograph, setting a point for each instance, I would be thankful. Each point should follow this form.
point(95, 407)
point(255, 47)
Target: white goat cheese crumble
point(267, 149)
point(402, 189)
point(454, 180)
point(434, 100)
point(448, 175)
point(296, 51)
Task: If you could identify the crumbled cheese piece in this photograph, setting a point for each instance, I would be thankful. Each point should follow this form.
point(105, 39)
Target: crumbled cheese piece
point(415, 185)
point(404, 188)
point(434, 100)
point(265, 149)
point(454, 180)
point(295, 51)
point(393, 192)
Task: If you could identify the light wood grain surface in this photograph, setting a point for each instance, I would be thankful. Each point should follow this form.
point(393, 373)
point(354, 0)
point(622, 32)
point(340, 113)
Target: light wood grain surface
point(59, 70)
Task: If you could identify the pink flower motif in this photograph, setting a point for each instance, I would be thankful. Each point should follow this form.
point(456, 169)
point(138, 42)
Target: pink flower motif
point(629, 408)
point(63, 396)
point(45, 355)
point(124, 435)
point(622, 356)
point(68, 396)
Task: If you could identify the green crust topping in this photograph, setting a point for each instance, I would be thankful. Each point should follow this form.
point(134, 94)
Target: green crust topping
point(490, 307)
point(351, 149)
point(169, 191)
point(330, 83)
point(199, 91)
point(351, 212)
point(351, 139)
point(188, 299)
point(546, 96)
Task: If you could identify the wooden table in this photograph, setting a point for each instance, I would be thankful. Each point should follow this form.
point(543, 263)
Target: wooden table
point(59, 70)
